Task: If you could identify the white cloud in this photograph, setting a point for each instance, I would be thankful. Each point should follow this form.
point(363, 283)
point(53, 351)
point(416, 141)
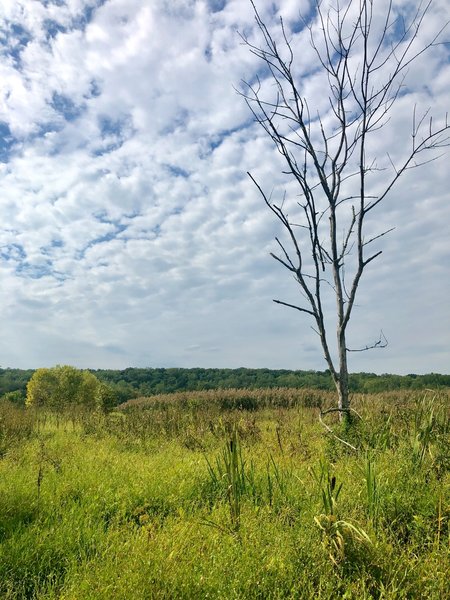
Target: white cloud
point(131, 234)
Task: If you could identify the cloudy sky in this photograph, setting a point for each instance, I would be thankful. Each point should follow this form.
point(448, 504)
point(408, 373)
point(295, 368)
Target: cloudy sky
point(130, 233)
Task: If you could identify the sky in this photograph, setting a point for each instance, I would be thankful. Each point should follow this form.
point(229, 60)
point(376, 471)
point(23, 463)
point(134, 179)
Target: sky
point(130, 232)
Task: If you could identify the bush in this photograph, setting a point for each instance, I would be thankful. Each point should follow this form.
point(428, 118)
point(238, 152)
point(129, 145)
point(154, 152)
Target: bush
point(64, 386)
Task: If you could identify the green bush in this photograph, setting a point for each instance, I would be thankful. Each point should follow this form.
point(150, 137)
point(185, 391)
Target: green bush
point(64, 386)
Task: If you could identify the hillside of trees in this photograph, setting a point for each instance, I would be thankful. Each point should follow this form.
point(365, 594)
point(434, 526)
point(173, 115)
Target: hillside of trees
point(134, 382)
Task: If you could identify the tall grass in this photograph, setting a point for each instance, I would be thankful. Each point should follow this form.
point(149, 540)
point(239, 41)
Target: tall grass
point(229, 474)
point(185, 497)
point(373, 491)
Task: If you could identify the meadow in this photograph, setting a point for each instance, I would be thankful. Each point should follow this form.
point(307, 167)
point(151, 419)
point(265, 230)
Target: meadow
point(227, 494)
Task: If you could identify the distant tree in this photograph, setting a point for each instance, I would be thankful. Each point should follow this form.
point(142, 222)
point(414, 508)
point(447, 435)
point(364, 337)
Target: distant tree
point(64, 386)
point(15, 397)
point(14, 379)
point(42, 389)
point(363, 50)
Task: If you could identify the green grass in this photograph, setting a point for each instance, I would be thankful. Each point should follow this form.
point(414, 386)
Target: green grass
point(196, 498)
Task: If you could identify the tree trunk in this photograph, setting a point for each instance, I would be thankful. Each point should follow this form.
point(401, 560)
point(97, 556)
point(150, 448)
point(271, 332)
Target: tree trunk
point(342, 381)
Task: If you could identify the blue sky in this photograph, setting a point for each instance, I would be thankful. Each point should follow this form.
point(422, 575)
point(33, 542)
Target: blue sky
point(130, 234)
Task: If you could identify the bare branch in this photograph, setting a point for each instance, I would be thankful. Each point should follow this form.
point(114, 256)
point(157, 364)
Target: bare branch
point(305, 310)
point(346, 411)
point(380, 343)
point(376, 237)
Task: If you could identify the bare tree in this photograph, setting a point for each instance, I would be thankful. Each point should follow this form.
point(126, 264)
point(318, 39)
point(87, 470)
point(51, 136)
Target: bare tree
point(329, 155)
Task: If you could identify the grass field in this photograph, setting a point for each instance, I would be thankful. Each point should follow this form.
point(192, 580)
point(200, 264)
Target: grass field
point(232, 494)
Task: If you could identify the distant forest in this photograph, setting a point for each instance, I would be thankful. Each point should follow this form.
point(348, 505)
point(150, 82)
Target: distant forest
point(134, 382)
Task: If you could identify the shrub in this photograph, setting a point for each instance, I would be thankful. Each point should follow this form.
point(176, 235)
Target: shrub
point(64, 386)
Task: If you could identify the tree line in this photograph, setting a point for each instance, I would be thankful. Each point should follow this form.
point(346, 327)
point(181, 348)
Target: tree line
point(131, 383)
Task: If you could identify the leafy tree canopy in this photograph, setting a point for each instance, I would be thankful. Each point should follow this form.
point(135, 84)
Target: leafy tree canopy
point(63, 386)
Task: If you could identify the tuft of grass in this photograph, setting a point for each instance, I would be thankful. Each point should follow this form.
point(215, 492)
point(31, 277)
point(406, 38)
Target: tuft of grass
point(231, 477)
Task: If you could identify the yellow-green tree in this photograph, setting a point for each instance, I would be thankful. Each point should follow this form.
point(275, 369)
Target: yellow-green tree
point(63, 386)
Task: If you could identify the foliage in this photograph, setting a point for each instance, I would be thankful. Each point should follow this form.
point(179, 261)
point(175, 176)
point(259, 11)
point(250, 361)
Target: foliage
point(15, 397)
point(134, 382)
point(12, 380)
point(143, 382)
point(106, 396)
point(62, 387)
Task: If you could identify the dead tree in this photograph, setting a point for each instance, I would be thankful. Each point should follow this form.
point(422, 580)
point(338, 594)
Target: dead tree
point(328, 154)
